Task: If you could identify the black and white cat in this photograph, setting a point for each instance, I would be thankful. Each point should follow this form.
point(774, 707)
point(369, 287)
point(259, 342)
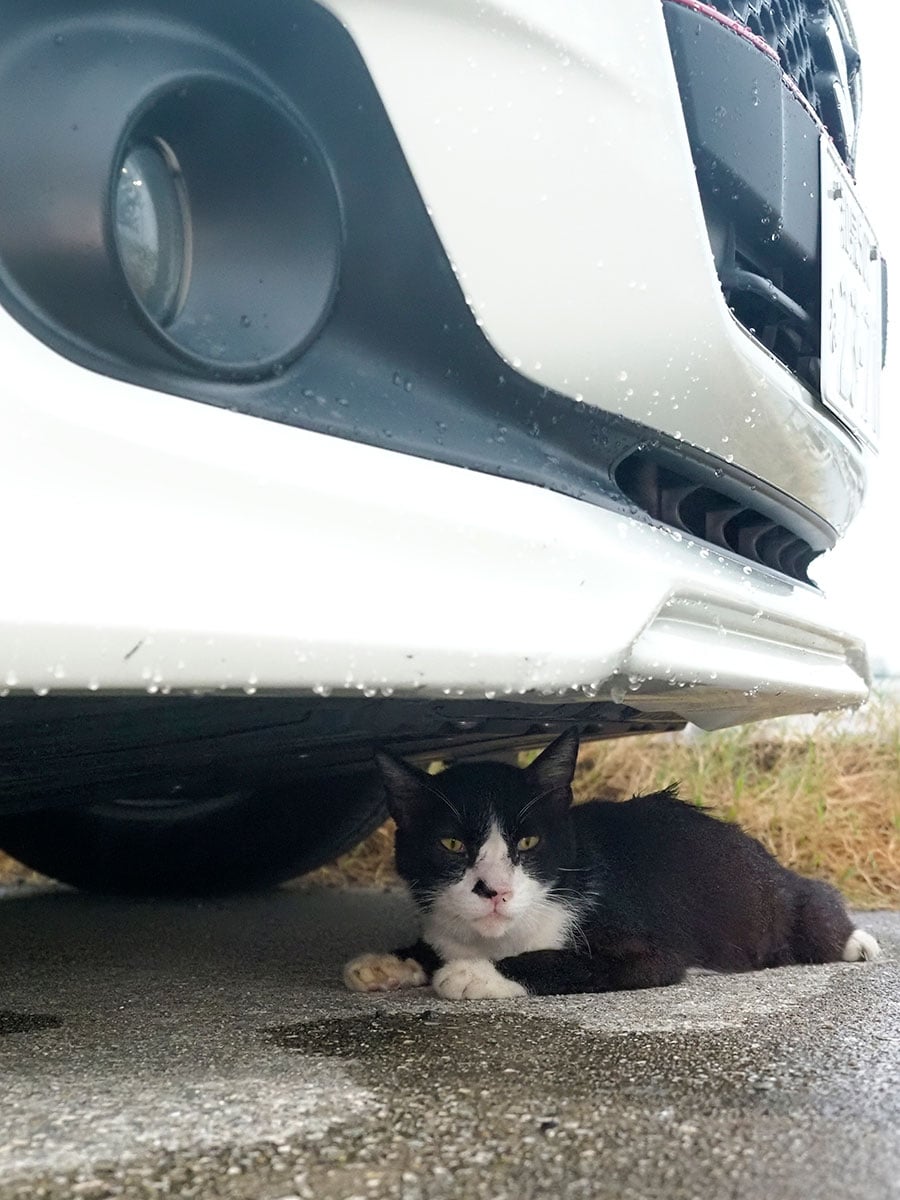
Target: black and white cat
point(520, 893)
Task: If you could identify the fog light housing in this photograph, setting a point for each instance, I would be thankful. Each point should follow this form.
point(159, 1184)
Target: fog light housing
point(227, 227)
point(152, 229)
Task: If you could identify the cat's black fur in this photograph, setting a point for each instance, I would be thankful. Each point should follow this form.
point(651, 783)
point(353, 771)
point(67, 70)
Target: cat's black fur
point(654, 885)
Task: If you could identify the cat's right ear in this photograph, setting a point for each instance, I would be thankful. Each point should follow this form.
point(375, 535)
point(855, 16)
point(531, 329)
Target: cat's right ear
point(554, 768)
point(404, 785)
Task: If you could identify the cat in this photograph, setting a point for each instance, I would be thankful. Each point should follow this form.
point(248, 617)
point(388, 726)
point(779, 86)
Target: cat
point(522, 894)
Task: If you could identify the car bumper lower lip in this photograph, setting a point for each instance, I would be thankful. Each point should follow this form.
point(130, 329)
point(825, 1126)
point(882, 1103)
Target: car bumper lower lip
point(490, 589)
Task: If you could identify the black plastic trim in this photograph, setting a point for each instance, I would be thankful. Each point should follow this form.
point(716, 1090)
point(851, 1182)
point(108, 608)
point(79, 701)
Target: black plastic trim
point(812, 41)
point(711, 510)
point(756, 150)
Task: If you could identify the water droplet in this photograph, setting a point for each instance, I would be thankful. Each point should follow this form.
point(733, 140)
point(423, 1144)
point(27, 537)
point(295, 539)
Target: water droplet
point(245, 321)
point(622, 376)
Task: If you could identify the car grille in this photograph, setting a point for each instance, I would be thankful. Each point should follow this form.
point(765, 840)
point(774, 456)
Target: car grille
point(669, 494)
point(815, 52)
point(755, 144)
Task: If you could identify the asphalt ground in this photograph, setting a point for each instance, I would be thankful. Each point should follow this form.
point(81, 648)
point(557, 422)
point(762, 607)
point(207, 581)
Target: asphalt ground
point(209, 1050)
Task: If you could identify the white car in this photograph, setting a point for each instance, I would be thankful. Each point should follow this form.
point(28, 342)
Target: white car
point(430, 375)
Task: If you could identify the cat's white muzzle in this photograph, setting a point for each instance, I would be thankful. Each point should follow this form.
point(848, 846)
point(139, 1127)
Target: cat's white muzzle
point(493, 924)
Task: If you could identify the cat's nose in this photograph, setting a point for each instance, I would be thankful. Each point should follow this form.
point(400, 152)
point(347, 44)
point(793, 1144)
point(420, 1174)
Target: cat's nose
point(499, 895)
point(482, 889)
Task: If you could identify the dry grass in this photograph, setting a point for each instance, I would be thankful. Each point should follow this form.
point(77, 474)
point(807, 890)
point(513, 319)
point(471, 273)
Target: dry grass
point(828, 806)
point(12, 872)
point(826, 803)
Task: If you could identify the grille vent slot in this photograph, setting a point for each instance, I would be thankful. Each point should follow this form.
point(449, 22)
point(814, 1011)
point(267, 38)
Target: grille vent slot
point(674, 498)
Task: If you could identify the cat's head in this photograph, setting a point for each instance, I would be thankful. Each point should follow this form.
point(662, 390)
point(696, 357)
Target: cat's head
point(482, 844)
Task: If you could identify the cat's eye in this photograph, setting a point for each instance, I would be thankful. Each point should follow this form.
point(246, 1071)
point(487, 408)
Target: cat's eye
point(528, 843)
point(454, 845)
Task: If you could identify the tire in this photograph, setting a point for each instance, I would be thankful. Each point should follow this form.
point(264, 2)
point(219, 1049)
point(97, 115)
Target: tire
point(242, 841)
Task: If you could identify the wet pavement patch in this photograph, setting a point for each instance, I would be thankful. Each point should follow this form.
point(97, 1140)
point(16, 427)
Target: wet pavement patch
point(490, 1101)
point(498, 1051)
point(25, 1022)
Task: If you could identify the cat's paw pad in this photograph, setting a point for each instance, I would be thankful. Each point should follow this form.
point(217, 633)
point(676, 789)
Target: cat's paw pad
point(861, 947)
point(474, 979)
point(383, 973)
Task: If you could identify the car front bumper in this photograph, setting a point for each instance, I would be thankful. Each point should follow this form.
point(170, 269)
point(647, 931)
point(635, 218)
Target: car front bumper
point(311, 528)
point(163, 546)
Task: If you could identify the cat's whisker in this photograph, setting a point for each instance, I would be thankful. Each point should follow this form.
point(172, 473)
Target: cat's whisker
point(526, 808)
point(577, 893)
point(452, 807)
point(440, 796)
point(582, 936)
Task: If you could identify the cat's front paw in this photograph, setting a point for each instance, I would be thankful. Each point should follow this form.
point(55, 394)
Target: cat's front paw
point(474, 979)
point(383, 973)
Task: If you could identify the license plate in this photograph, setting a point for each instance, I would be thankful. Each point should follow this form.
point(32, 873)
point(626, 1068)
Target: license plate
point(851, 303)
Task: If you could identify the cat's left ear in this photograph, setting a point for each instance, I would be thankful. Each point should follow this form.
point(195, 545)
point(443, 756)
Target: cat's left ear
point(404, 785)
point(553, 770)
